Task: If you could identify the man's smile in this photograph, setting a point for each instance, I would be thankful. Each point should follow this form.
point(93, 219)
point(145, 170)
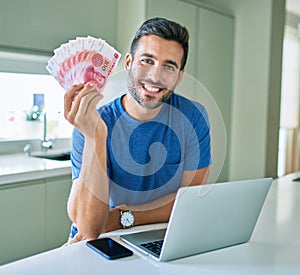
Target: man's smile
point(150, 88)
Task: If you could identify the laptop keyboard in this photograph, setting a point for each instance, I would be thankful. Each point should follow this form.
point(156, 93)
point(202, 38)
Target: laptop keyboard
point(154, 247)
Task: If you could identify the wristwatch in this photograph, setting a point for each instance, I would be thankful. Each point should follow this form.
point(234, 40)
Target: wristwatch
point(126, 218)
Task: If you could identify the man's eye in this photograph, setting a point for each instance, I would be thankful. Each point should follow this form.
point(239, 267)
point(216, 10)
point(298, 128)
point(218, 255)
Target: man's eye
point(147, 61)
point(169, 68)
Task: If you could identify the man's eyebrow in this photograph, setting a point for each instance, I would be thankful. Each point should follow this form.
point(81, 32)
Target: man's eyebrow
point(168, 61)
point(172, 63)
point(148, 55)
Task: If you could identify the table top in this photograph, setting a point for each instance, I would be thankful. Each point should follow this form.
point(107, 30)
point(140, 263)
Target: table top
point(274, 248)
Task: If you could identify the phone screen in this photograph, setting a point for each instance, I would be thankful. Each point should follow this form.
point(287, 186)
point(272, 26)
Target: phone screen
point(109, 248)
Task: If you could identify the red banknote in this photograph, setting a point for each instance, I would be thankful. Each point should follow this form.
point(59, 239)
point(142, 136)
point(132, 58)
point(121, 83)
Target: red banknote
point(83, 60)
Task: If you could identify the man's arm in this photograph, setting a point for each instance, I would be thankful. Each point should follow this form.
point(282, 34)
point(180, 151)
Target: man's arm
point(88, 202)
point(158, 210)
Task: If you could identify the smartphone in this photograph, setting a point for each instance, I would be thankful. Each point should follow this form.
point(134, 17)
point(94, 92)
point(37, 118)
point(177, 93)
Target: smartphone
point(109, 248)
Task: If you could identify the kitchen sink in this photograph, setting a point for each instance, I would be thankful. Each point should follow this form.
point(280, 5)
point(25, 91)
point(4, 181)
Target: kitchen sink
point(65, 155)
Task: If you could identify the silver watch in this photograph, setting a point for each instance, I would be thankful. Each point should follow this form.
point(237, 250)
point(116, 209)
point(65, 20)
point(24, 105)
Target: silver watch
point(126, 218)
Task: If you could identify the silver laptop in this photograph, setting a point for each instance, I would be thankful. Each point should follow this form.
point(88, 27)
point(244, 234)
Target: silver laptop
point(205, 218)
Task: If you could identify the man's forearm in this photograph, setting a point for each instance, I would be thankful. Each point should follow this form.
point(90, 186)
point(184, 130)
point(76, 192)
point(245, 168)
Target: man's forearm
point(88, 205)
point(153, 212)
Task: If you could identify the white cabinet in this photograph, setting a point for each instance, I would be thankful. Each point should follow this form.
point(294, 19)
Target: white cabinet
point(44, 25)
point(22, 219)
point(33, 217)
point(57, 223)
point(215, 67)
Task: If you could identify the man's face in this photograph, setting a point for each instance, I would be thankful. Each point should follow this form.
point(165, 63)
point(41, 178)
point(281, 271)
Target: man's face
point(154, 70)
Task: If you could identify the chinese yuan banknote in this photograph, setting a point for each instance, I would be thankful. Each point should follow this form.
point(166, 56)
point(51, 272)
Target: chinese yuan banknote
point(83, 60)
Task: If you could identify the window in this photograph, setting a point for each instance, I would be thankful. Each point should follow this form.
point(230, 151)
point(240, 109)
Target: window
point(22, 76)
point(289, 135)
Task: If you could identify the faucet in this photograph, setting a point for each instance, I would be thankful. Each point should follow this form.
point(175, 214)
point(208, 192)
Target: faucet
point(27, 149)
point(45, 143)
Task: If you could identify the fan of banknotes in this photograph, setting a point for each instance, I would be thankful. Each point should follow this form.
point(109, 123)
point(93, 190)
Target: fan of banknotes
point(83, 60)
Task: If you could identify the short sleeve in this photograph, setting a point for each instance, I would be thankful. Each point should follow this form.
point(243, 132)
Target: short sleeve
point(198, 152)
point(76, 152)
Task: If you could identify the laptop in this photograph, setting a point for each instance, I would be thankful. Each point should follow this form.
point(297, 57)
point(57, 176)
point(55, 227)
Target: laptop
point(205, 218)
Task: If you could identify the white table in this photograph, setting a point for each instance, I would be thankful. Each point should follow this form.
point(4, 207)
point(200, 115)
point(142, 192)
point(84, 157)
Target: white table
point(274, 248)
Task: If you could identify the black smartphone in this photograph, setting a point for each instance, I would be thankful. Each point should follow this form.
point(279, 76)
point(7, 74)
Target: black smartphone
point(109, 248)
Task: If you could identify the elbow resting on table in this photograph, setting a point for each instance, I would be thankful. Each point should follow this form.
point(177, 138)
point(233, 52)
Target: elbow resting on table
point(87, 212)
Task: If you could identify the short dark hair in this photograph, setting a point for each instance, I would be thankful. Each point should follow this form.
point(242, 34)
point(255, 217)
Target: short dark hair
point(165, 29)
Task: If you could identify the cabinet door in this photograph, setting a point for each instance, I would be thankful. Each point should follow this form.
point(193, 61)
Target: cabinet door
point(57, 221)
point(215, 69)
point(44, 25)
point(22, 219)
point(182, 13)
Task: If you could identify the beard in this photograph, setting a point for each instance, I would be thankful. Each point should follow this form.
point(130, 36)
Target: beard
point(147, 101)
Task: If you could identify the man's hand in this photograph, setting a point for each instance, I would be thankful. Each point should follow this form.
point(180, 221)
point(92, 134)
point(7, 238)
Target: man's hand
point(80, 108)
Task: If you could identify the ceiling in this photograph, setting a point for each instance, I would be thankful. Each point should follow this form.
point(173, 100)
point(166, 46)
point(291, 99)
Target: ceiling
point(293, 6)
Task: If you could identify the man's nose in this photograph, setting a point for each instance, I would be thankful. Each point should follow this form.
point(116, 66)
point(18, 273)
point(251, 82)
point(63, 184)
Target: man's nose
point(154, 73)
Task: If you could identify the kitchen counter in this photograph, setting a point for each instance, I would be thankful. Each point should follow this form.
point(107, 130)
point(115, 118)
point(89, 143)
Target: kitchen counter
point(16, 168)
point(273, 248)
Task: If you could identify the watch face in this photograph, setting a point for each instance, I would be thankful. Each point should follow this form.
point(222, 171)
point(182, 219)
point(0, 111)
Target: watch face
point(127, 219)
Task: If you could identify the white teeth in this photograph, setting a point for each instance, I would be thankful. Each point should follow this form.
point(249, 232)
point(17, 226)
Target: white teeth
point(151, 88)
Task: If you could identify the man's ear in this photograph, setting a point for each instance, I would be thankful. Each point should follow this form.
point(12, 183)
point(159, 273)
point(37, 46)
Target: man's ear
point(181, 73)
point(128, 61)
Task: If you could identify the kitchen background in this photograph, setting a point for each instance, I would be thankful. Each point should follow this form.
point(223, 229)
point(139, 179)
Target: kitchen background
point(236, 51)
point(236, 57)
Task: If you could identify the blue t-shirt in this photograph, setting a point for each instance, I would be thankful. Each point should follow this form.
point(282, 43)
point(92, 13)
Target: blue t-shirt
point(145, 159)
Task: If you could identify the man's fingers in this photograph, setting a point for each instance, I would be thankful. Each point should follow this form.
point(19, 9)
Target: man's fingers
point(76, 102)
point(69, 98)
point(78, 237)
point(89, 102)
point(72, 100)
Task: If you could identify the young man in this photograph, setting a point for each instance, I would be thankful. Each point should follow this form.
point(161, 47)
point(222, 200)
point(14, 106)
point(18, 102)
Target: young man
point(130, 157)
